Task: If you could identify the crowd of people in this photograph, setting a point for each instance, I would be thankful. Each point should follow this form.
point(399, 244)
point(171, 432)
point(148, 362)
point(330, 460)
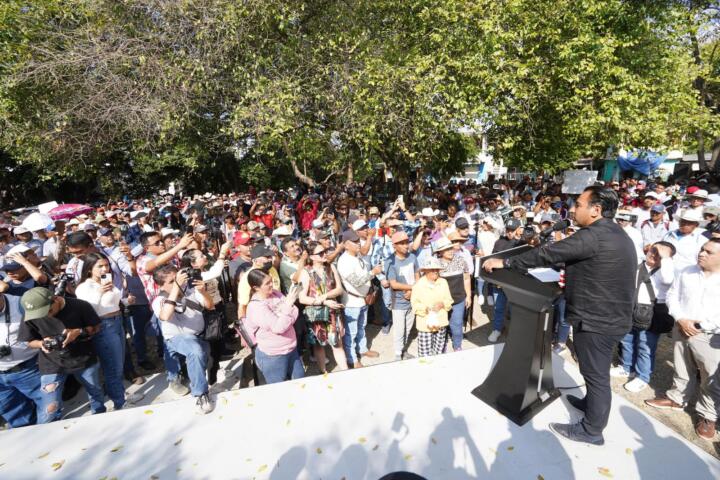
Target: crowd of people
point(297, 274)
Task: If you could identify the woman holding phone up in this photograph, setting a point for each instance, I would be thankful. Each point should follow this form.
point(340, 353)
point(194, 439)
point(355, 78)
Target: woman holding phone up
point(96, 287)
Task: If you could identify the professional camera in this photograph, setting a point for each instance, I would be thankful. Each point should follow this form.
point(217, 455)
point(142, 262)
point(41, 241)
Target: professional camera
point(5, 350)
point(54, 343)
point(61, 284)
point(193, 274)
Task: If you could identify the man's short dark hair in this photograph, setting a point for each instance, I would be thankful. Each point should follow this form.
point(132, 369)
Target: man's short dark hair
point(146, 236)
point(285, 242)
point(79, 239)
point(669, 245)
point(161, 273)
point(607, 198)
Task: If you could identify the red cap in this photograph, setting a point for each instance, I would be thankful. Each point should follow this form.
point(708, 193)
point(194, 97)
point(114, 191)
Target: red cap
point(241, 238)
point(693, 189)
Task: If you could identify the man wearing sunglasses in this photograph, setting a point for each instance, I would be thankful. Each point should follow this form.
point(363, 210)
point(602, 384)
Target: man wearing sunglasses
point(155, 255)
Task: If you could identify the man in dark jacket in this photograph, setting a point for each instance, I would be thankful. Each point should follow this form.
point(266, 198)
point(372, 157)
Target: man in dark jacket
point(600, 265)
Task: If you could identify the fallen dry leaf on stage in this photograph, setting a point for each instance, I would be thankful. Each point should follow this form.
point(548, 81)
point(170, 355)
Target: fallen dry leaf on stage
point(376, 447)
point(154, 477)
point(250, 404)
point(540, 477)
point(57, 465)
point(117, 449)
point(178, 470)
point(287, 424)
point(432, 439)
point(605, 472)
point(66, 427)
point(510, 449)
point(224, 401)
point(248, 460)
point(262, 468)
point(628, 451)
point(325, 375)
point(302, 385)
point(291, 405)
point(493, 451)
point(43, 455)
point(318, 450)
point(220, 417)
point(407, 457)
point(362, 439)
point(148, 412)
point(178, 442)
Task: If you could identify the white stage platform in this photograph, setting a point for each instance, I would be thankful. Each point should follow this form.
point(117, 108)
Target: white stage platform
point(416, 416)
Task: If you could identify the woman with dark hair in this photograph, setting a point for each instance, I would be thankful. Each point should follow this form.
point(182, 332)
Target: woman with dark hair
point(320, 286)
point(272, 317)
point(96, 287)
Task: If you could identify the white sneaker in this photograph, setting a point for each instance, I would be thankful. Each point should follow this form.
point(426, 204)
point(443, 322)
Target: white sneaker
point(494, 335)
point(636, 385)
point(204, 404)
point(134, 397)
point(619, 372)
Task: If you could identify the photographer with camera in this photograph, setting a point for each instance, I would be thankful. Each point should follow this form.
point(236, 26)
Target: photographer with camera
point(20, 395)
point(61, 328)
point(196, 264)
point(179, 306)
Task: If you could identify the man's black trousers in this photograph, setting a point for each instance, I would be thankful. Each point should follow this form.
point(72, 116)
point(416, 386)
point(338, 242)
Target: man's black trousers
point(594, 352)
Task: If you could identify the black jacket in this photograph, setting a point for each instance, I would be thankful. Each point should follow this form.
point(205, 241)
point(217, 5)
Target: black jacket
point(600, 266)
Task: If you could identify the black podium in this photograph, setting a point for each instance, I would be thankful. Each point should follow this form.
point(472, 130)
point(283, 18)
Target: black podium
point(521, 383)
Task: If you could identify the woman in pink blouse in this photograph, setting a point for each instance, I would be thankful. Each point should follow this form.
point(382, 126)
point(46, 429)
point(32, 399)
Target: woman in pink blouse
point(271, 317)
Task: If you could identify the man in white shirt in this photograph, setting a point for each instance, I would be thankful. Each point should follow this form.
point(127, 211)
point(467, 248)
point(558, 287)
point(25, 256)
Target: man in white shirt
point(694, 302)
point(687, 238)
point(655, 228)
point(356, 281)
point(643, 211)
point(181, 320)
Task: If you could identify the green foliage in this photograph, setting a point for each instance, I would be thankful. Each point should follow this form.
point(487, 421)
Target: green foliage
point(226, 93)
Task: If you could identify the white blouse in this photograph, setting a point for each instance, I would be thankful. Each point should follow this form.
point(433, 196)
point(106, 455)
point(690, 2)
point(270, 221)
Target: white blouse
point(103, 303)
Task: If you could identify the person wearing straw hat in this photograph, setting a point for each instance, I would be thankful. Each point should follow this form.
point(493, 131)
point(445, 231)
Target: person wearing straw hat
point(431, 301)
point(457, 273)
point(687, 238)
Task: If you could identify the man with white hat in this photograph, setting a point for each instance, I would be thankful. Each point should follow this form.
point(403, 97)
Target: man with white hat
point(642, 212)
point(687, 238)
point(23, 271)
point(695, 200)
point(25, 237)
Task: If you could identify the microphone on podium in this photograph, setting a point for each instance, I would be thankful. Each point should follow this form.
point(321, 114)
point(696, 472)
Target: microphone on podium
point(561, 225)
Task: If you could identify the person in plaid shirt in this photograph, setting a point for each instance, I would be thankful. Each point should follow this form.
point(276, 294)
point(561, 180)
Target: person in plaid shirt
point(156, 255)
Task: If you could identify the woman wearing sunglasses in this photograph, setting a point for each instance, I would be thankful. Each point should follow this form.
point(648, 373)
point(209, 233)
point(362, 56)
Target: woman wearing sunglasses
point(320, 285)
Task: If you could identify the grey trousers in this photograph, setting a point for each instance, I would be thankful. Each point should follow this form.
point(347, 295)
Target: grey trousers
point(403, 321)
point(690, 354)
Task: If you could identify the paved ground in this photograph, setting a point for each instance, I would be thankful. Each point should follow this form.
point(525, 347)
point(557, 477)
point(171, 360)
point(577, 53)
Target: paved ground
point(236, 375)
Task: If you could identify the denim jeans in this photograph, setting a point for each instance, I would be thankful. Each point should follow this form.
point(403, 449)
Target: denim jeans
point(563, 327)
point(457, 315)
point(637, 353)
point(90, 379)
point(195, 351)
point(140, 316)
point(354, 341)
point(278, 368)
point(109, 344)
point(500, 307)
point(385, 304)
point(21, 400)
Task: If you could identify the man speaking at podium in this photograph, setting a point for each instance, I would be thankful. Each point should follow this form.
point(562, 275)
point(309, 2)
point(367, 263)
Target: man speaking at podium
point(600, 265)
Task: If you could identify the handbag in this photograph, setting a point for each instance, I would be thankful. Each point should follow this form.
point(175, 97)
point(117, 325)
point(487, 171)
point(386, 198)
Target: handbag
point(642, 312)
point(214, 323)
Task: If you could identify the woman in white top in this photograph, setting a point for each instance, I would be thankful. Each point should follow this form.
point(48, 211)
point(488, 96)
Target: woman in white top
point(637, 348)
point(96, 287)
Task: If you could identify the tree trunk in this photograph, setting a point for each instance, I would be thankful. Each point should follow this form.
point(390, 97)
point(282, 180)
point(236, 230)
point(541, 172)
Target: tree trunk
point(350, 174)
point(715, 157)
point(701, 150)
point(300, 175)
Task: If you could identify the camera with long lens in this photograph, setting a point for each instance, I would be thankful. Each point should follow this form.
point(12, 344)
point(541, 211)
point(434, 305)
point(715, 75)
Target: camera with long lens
point(61, 283)
point(194, 274)
point(5, 351)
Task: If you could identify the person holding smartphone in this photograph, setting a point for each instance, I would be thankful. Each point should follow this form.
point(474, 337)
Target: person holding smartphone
point(96, 288)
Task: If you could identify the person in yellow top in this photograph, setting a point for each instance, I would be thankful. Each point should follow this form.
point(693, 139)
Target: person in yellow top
point(263, 259)
point(431, 301)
